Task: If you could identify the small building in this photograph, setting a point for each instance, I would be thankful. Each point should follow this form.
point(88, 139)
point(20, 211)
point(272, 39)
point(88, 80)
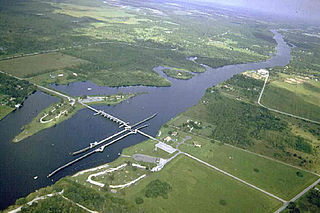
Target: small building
point(174, 134)
point(167, 139)
point(196, 144)
point(60, 75)
point(263, 72)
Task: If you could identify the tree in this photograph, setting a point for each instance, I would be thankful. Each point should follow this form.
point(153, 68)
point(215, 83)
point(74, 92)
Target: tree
point(139, 200)
point(299, 174)
point(314, 197)
point(291, 205)
point(157, 188)
point(21, 201)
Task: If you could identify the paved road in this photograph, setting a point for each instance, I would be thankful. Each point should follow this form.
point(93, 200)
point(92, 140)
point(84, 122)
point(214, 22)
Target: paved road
point(234, 177)
point(278, 111)
point(184, 140)
point(298, 196)
point(144, 158)
point(54, 92)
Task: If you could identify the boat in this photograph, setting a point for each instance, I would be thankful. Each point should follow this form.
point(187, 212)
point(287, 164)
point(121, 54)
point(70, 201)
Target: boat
point(35, 177)
point(89, 88)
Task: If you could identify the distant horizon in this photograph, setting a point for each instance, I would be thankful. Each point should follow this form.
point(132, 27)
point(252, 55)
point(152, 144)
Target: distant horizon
point(306, 10)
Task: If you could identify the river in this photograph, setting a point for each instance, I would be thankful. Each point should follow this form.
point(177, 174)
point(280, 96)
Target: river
point(42, 153)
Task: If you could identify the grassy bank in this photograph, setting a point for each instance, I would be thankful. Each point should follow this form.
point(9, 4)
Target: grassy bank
point(4, 111)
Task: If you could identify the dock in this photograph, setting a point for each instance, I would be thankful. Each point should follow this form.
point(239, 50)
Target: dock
point(88, 154)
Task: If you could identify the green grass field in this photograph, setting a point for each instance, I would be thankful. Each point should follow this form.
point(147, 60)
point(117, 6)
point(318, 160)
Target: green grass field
point(4, 111)
point(197, 188)
point(33, 65)
point(296, 98)
point(274, 177)
point(45, 79)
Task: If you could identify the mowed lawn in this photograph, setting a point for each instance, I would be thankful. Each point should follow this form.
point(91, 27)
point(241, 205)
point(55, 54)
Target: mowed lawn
point(274, 177)
point(198, 188)
point(37, 64)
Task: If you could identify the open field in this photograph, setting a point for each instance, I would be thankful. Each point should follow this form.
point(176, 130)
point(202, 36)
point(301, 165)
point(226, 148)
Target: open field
point(293, 94)
point(197, 188)
point(271, 176)
point(102, 13)
point(33, 65)
point(55, 77)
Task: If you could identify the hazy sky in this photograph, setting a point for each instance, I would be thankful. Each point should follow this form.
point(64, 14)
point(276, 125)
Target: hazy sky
point(307, 9)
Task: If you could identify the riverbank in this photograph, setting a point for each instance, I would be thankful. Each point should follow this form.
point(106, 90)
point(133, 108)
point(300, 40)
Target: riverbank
point(62, 111)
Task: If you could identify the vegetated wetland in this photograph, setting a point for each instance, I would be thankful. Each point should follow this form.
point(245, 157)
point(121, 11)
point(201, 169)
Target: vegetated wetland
point(108, 44)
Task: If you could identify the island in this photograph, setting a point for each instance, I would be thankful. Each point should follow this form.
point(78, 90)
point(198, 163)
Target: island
point(64, 110)
point(178, 73)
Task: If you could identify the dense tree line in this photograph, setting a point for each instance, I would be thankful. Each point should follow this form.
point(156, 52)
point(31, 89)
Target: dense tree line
point(14, 91)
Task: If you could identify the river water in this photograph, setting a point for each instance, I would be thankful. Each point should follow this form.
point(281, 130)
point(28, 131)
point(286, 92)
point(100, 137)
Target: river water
point(49, 149)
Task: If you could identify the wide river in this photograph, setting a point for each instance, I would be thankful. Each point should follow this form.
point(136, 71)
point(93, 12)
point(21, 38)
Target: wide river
point(49, 149)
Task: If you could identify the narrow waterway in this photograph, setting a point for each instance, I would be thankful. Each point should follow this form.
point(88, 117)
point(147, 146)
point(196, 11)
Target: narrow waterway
point(49, 149)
